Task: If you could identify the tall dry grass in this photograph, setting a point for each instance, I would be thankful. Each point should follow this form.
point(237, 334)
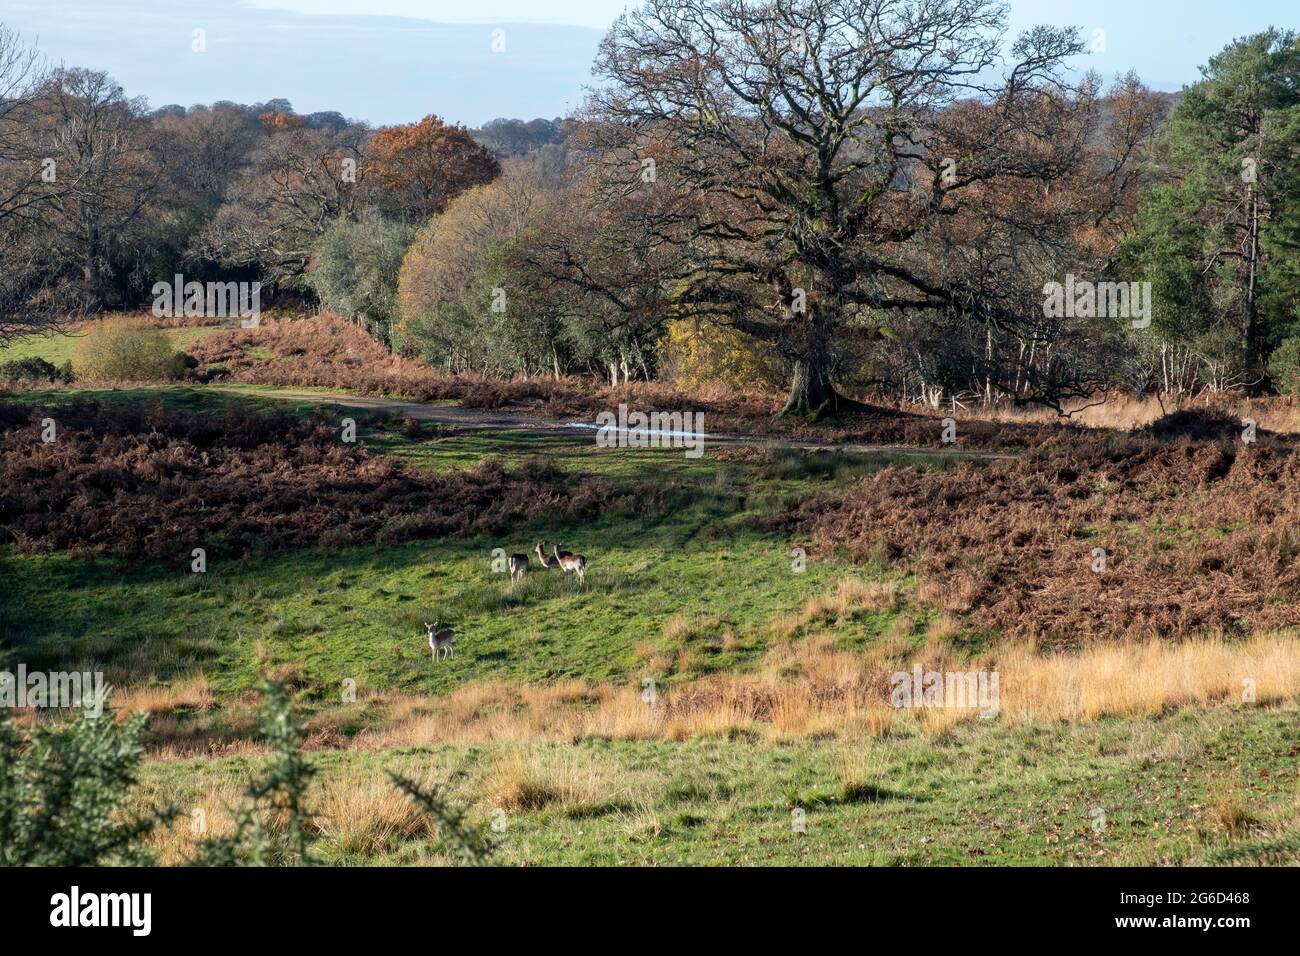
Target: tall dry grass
point(525, 780)
point(351, 816)
point(207, 817)
point(811, 688)
point(1273, 413)
point(370, 816)
point(1147, 679)
point(803, 686)
point(190, 693)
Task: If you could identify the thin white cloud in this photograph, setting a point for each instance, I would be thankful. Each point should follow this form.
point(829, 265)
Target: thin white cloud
point(586, 13)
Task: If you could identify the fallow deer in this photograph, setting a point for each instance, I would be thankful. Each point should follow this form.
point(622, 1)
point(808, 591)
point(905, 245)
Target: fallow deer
point(518, 568)
point(570, 563)
point(440, 640)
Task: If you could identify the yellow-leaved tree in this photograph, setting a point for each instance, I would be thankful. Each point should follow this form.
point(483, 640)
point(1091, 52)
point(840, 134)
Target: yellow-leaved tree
point(696, 354)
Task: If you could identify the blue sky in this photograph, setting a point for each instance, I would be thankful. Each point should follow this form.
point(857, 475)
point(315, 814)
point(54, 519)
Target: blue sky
point(389, 61)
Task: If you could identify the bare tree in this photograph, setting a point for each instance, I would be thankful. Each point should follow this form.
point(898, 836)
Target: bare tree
point(20, 77)
point(605, 262)
point(20, 186)
point(834, 159)
point(106, 168)
point(301, 180)
point(208, 148)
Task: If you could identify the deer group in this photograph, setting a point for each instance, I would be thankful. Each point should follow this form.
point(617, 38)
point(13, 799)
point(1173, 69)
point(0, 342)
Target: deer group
point(440, 639)
point(566, 561)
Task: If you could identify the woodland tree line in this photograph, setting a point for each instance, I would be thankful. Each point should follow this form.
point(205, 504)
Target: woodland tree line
point(824, 196)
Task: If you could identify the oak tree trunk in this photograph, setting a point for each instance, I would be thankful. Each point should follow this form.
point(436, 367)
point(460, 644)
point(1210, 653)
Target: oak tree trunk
point(811, 391)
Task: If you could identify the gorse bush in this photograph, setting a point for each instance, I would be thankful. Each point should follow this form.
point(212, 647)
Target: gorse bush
point(62, 794)
point(274, 827)
point(65, 788)
point(127, 350)
point(272, 823)
point(34, 369)
point(464, 841)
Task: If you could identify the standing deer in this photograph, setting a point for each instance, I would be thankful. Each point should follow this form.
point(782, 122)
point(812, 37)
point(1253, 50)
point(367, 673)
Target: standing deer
point(547, 561)
point(570, 563)
point(518, 568)
point(440, 640)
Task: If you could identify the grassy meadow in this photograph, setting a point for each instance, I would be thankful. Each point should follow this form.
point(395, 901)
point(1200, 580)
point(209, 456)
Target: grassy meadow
point(1202, 786)
point(690, 705)
point(696, 584)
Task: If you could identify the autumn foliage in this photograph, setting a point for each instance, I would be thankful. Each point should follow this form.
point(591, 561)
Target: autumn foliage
point(328, 352)
point(278, 122)
point(423, 165)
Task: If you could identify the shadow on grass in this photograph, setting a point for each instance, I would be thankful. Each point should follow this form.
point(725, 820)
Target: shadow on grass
point(852, 793)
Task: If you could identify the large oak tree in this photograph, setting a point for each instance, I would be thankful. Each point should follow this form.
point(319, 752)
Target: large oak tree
point(836, 162)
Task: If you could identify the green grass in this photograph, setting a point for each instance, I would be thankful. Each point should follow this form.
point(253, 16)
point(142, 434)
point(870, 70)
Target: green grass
point(193, 398)
point(59, 347)
point(358, 612)
point(697, 567)
point(984, 794)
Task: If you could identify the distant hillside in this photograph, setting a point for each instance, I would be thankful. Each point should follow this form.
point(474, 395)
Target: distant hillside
point(382, 70)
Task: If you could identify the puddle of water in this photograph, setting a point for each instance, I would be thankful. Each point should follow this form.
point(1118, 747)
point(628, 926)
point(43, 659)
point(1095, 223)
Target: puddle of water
point(648, 432)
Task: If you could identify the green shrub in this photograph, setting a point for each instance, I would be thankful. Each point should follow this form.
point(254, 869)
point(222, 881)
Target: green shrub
point(274, 827)
point(30, 369)
point(355, 266)
point(63, 791)
point(126, 350)
point(272, 823)
point(1284, 366)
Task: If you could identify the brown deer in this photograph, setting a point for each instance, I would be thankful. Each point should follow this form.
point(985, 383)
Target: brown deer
point(547, 561)
point(570, 563)
point(440, 640)
point(518, 568)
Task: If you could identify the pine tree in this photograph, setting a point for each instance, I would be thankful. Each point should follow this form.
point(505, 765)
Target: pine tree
point(1218, 234)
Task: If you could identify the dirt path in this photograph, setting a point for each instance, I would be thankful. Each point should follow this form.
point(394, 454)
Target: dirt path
point(502, 420)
